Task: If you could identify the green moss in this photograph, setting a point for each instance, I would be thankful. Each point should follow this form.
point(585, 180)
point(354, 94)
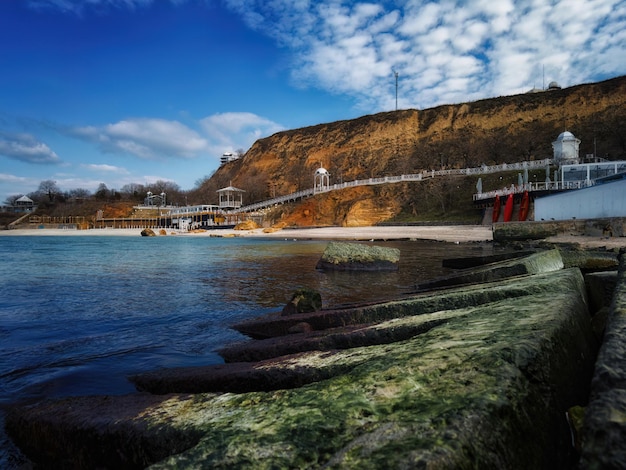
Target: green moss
point(424, 398)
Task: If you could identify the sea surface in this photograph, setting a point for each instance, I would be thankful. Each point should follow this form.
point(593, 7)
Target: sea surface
point(80, 314)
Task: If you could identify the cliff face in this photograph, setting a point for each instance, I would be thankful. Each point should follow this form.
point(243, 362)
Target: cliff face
point(493, 131)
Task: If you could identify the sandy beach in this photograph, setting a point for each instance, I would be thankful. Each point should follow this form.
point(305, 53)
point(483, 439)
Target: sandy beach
point(445, 233)
point(460, 233)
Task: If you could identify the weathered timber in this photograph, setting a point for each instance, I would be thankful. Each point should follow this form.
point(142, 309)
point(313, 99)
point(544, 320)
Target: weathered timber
point(600, 289)
point(488, 388)
point(604, 431)
point(284, 373)
point(475, 261)
point(541, 262)
point(103, 432)
point(335, 338)
point(272, 325)
point(590, 260)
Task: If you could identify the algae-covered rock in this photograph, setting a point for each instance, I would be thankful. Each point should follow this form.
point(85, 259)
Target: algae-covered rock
point(475, 261)
point(358, 257)
point(541, 262)
point(604, 430)
point(272, 325)
point(514, 231)
point(487, 388)
point(590, 260)
point(148, 232)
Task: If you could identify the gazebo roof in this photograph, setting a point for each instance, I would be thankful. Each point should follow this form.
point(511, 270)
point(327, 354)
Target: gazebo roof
point(231, 189)
point(24, 199)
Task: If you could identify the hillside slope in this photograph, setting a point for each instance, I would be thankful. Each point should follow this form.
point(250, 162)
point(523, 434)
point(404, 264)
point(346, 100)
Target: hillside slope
point(491, 131)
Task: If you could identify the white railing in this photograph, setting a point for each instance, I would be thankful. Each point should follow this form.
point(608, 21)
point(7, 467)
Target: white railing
point(482, 170)
point(547, 186)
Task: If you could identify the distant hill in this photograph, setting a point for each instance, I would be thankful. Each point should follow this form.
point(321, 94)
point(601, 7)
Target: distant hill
point(491, 131)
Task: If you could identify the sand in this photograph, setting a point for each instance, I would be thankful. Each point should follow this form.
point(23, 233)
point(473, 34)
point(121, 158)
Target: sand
point(446, 233)
point(462, 233)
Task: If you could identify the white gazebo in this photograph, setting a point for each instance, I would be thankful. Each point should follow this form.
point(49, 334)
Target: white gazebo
point(230, 197)
point(321, 180)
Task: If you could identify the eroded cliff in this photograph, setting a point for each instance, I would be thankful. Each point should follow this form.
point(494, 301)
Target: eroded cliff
point(492, 131)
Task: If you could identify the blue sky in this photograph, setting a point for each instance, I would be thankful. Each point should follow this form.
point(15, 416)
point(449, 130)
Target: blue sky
point(134, 91)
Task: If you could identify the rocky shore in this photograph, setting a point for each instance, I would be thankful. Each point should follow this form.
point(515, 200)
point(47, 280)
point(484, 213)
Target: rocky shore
point(488, 368)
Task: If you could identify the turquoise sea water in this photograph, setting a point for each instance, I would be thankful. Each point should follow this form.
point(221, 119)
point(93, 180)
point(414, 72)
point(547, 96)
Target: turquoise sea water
point(80, 314)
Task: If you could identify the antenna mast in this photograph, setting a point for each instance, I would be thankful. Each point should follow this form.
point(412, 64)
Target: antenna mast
point(396, 75)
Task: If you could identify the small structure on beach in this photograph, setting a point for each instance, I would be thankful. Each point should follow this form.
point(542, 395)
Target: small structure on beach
point(230, 197)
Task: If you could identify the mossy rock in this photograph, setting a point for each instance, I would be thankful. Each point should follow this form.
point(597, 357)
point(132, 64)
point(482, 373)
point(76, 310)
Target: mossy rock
point(358, 257)
point(487, 388)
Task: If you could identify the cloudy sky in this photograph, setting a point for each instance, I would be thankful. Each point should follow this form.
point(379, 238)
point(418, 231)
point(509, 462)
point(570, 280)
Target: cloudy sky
point(133, 91)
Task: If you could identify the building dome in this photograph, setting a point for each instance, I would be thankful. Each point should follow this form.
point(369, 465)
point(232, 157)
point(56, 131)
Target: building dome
point(554, 86)
point(567, 135)
point(321, 171)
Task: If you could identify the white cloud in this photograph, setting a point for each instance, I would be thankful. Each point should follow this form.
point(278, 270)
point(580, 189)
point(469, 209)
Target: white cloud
point(159, 139)
point(146, 138)
point(104, 168)
point(7, 178)
point(233, 131)
point(443, 51)
point(26, 148)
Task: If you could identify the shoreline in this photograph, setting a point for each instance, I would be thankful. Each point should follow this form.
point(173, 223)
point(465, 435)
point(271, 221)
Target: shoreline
point(452, 233)
point(443, 233)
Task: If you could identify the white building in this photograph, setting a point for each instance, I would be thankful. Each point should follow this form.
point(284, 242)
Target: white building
point(228, 157)
point(595, 190)
point(565, 149)
point(604, 199)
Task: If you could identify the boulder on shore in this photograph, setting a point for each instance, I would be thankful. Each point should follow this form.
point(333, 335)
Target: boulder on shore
point(358, 257)
point(246, 225)
point(148, 232)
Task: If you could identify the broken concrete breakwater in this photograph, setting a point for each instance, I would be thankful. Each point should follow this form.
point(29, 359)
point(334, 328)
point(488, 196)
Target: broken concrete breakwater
point(473, 376)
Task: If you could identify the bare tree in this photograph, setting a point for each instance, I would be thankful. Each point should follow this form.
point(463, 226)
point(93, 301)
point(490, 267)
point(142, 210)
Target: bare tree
point(9, 201)
point(48, 189)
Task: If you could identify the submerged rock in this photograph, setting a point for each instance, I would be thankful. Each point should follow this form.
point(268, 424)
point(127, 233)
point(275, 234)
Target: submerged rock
point(303, 301)
point(358, 257)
